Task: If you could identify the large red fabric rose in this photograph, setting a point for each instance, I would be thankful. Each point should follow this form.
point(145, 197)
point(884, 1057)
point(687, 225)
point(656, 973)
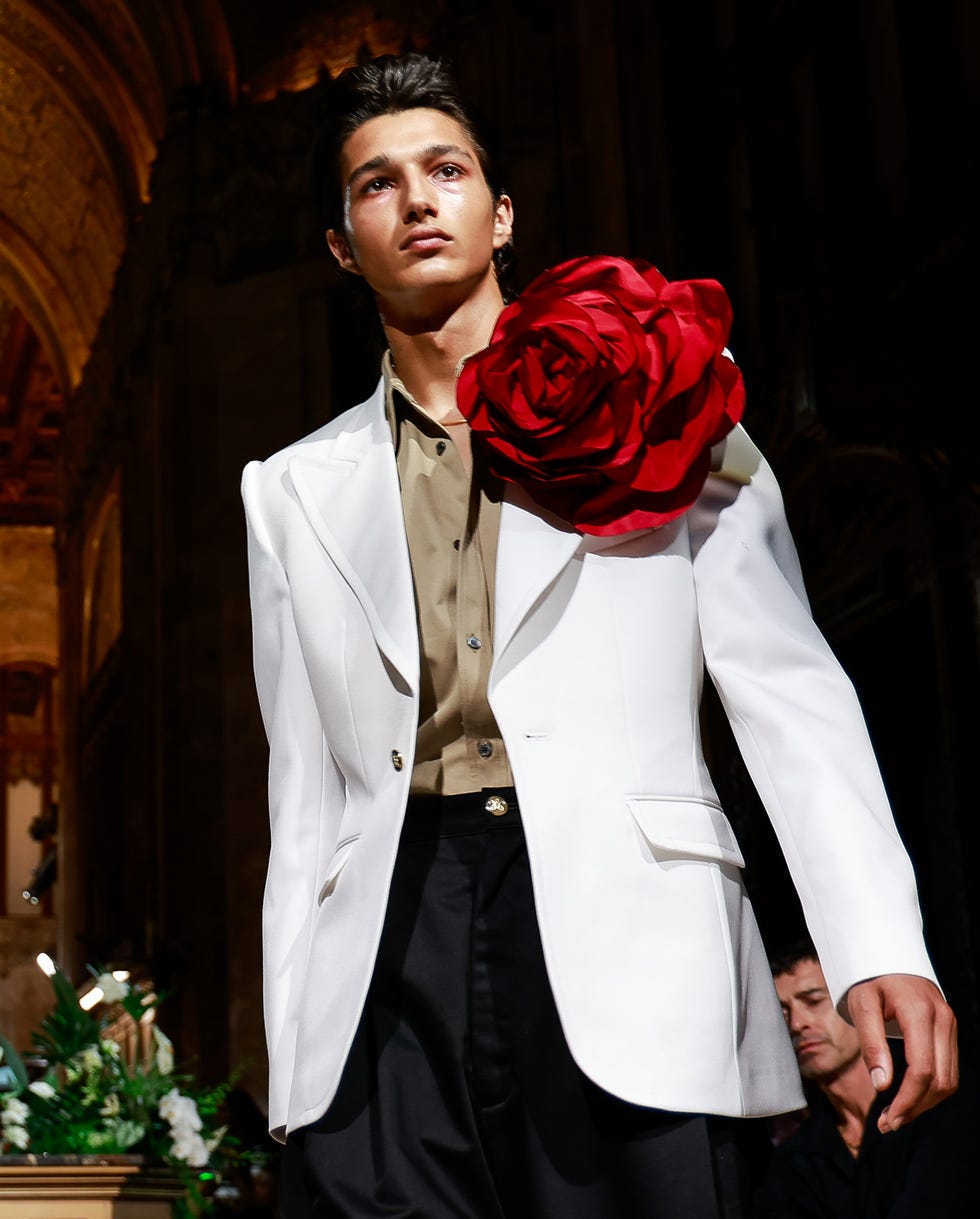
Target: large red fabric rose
point(603, 390)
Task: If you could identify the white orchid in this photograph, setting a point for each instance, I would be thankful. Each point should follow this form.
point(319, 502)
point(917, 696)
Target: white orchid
point(111, 1106)
point(185, 1125)
point(164, 1052)
point(42, 1089)
point(112, 990)
point(180, 1111)
point(190, 1147)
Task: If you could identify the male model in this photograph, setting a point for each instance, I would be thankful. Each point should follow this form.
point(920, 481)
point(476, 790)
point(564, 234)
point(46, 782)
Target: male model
point(509, 962)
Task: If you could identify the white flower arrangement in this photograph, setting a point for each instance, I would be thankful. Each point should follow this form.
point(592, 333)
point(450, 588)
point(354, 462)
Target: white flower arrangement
point(13, 1117)
point(91, 1100)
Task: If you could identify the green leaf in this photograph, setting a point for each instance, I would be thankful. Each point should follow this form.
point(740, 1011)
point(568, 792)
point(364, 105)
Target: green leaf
point(14, 1061)
point(67, 1029)
point(64, 992)
point(135, 1003)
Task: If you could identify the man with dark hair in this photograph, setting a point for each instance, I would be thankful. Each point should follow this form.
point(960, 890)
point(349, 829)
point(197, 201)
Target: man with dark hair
point(464, 694)
point(410, 82)
point(839, 1165)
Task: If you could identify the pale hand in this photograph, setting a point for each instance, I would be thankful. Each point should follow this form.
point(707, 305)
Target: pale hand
point(929, 1028)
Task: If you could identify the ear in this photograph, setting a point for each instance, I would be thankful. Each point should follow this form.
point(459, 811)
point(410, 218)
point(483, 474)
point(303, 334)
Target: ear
point(340, 249)
point(503, 222)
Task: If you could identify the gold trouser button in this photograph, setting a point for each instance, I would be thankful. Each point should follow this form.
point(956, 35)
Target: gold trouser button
point(397, 760)
point(496, 805)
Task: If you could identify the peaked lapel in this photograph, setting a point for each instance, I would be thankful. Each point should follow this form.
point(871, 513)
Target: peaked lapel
point(348, 487)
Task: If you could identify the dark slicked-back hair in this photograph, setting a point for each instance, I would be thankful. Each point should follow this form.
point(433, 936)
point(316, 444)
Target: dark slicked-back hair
point(390, 84)
point(787, 959)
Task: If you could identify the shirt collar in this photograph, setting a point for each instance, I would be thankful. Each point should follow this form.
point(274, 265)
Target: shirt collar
point(399, 401)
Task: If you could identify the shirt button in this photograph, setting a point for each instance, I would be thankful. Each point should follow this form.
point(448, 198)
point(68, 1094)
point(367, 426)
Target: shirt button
point(485, 749)
point(440, 447)
point(397, 760)
point(474, 642)
point(496, 806)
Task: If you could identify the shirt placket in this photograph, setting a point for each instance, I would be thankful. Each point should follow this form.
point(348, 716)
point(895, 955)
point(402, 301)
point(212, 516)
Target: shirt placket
point(450, 523)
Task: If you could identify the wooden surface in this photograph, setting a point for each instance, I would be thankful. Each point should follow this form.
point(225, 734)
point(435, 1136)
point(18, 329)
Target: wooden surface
point(86, 1191)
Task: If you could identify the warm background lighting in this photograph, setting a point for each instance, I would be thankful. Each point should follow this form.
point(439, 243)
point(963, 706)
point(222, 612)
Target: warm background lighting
point(45, 964)
point(91, 998)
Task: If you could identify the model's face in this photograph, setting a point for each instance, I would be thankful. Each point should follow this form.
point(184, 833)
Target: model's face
point(419, 216)
point(825, 1043)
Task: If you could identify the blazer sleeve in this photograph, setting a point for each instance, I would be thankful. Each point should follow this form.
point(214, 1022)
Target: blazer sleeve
point(800, 729)
point(298, 764)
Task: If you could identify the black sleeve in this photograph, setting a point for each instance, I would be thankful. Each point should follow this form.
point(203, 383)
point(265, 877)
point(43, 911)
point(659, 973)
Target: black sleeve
point(941, 1170)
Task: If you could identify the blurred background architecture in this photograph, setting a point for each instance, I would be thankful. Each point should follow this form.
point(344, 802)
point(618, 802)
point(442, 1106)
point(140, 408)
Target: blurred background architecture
point(168, 311)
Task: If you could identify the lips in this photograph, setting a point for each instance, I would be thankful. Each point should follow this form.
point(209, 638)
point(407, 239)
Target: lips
point(807, 1047)
point(423, 240)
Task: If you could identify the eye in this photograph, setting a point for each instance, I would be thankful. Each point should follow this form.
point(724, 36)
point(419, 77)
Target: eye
point(374, 186)
point(449, 172)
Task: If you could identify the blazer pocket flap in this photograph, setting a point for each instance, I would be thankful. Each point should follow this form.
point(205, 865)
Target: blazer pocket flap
point(337, 862)
point(687, 828)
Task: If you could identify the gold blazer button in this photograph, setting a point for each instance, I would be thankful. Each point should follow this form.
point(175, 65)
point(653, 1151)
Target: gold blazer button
point(397, 760)
point(496, 805)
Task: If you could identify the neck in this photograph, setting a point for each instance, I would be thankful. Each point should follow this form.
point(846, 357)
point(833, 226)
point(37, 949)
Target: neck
point(851, 1095)
point(427, 345)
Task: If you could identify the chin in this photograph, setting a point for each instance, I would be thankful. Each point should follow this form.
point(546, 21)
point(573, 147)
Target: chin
point(813, 1071)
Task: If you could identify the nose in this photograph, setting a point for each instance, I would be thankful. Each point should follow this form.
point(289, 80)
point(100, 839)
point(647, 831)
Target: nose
point(797, 1019)
point(420, 200)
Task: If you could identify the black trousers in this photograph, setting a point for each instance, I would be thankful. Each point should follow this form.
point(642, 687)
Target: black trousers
point(460, 1099)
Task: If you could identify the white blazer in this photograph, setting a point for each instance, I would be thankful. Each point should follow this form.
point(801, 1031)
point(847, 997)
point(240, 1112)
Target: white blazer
point(657, 967)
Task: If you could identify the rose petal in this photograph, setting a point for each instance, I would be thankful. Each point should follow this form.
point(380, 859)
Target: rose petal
point(602, 391)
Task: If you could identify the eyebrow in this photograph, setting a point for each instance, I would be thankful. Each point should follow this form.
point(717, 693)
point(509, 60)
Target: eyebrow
point(429, 153)
point(810, 993)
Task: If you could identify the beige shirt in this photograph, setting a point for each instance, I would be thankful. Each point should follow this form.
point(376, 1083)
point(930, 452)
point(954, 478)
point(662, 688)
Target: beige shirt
point(452, 521)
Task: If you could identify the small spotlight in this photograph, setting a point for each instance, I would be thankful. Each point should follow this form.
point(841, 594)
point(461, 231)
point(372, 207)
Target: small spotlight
point(121, 975)
point(45, 964)
point(90, 998)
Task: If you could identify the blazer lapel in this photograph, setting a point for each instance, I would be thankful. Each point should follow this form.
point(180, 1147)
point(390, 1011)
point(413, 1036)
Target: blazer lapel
point(348, 488)
point(533, 550)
